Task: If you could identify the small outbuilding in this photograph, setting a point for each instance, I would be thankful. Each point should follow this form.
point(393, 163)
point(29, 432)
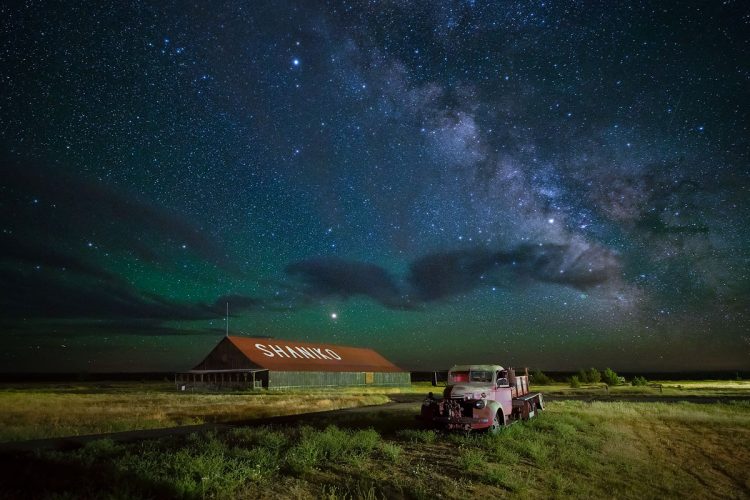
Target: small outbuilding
point(242, 362)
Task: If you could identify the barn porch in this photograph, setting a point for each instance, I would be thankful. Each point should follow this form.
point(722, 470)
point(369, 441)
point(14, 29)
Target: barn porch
point(221, 379)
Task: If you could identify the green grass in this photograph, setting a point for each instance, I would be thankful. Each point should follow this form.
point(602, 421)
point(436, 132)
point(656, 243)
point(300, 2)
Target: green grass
point(418, 435)
point(574, 449)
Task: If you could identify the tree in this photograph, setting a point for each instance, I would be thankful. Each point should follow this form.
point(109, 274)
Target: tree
point(540, 378)
point(574, 382)
point(583, 376)
point(594, 376)
point(639, 381)
point(609, 377)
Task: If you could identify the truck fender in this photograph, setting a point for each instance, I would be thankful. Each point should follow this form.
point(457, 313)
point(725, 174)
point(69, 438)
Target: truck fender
point(494, 407)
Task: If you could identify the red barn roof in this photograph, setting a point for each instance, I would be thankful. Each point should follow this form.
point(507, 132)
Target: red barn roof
point(290, 355)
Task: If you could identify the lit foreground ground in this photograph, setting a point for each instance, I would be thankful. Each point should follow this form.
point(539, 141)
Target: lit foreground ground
point(34, 411)
point(617, 449)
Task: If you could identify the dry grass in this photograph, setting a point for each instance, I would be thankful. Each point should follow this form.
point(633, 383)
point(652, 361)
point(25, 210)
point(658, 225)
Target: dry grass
point(36, 411)
point(666, 388)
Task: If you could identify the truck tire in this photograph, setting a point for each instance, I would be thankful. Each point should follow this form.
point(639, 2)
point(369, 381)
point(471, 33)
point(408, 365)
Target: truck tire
point(497, 422)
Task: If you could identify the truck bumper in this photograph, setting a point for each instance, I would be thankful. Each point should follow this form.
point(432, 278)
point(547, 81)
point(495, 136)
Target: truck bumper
point(463, 423)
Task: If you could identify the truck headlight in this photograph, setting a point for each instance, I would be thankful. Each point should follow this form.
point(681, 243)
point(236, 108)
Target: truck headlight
point(480, 404)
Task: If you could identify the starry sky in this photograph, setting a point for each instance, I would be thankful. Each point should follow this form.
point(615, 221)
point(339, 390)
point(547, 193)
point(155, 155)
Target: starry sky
point(555, 184)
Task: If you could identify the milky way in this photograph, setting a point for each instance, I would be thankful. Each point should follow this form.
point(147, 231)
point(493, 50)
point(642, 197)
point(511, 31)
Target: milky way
point(553, 184)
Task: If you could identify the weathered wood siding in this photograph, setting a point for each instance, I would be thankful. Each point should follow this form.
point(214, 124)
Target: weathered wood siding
point(282, 380)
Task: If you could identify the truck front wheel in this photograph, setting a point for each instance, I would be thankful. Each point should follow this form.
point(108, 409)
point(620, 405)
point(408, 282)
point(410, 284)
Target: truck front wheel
point(497, 422)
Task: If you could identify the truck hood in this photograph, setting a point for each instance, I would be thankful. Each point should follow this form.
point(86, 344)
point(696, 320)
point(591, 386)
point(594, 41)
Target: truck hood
point(470, 391)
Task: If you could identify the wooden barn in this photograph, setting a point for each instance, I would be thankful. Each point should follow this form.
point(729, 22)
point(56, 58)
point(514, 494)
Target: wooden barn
point(241, 362)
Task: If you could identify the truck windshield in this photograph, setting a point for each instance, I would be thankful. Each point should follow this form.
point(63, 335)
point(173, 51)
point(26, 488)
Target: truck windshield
point(481, 376)
point(471, 376)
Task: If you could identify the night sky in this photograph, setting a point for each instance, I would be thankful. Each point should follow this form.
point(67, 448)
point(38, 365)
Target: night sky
point(552, 184)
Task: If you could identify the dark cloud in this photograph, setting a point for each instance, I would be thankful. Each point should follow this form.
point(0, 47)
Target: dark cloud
point(442, 275)
point(69, 211)
point(101, 328)
point(445, 274)
point(44, 295)
point(39, 254)
point(237, 303)
point(345, 278)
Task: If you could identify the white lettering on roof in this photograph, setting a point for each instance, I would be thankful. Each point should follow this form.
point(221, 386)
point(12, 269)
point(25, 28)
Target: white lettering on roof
point(317, 350)
point(333, 354)
point(286, 351)
point(292, 352)
point(278, 350)
point(305, 352)
point(261, 347)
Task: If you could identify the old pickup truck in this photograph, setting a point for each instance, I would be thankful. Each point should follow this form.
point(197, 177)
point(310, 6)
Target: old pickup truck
point(481, 397)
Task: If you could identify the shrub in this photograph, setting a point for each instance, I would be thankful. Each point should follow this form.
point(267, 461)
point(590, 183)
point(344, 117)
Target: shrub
point(575, 383)
point(639, 381)
point(609, 377)
point(540, 378)
point(590, 376)
point(593, 375)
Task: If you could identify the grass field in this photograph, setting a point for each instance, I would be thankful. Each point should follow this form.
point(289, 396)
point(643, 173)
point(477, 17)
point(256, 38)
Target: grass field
point(605, 445)
point(665, 388)
point(34, 411)
point(574, 449)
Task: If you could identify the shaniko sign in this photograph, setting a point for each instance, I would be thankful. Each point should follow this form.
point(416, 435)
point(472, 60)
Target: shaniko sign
point(287, 351)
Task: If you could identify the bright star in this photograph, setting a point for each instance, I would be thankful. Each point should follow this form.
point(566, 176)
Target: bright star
point(295, 61)
point(334, 315)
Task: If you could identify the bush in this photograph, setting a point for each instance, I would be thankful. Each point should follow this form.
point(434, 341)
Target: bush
point(540, 378)
point(594, 377)
point(609, 377)
point(590, 376)
point(639, 381)
point(575, 382)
